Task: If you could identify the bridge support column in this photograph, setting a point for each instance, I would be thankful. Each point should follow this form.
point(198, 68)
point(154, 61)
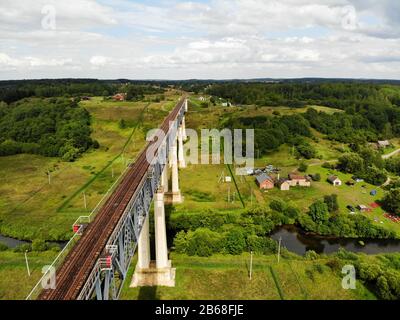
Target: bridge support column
point(144, 246)
point(159, 272)
point(175, 195)
point(184, 129)
point(160, 231)
point(164, 179)
point(181, 153)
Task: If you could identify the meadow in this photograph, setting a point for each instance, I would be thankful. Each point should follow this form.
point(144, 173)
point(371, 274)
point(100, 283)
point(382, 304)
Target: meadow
point(227, 278)
point(31, 207)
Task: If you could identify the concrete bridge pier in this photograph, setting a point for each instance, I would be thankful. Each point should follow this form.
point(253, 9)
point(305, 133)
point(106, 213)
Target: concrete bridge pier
point(144, 247)
point(181, 153)
point(185, 137)
point(174, 196)
point(160, 271)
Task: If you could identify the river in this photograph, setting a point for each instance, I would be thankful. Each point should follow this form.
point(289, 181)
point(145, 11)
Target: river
point(13, 243)
point(297, 241)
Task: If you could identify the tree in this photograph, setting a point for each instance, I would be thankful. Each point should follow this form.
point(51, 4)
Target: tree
point(319, 212)
point(351, 163)
point(374, 176)
point(391, 201)
point(306, 150)
point(303, 167)
point(234, 242)
point(331, 202)
point(39, 245)
point(278, 205)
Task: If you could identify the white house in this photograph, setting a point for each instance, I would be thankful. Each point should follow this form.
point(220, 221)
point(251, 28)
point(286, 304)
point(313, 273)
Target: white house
point(335, 181)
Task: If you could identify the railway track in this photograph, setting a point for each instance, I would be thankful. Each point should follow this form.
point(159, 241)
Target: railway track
point(77, 266)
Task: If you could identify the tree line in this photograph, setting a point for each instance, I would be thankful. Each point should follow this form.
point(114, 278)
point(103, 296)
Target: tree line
point(55, 127)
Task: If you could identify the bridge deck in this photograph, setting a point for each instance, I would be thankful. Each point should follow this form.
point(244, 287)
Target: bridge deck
point(76, 268)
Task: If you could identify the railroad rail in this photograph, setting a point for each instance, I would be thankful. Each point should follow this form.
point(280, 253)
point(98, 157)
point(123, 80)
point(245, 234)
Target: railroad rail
point(97, 264)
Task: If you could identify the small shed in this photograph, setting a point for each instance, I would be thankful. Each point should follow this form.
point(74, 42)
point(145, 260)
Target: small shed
point(335, 181)
point(264, 181)
point(284, 184)
point(119, 97)
point(383, 144)
point(362, 208)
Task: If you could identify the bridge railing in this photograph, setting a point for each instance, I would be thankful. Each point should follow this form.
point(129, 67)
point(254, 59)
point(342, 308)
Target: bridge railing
point(80, 222)
point(49, 271)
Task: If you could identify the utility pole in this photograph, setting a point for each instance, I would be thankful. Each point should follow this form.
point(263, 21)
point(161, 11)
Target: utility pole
point(279, 249)
point(112, 171)
point(27, 264)
point(84, 199)
point(251, 264)
point(49, 176)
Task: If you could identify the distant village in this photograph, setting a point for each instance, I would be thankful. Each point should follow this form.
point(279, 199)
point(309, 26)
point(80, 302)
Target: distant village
point(269, 178)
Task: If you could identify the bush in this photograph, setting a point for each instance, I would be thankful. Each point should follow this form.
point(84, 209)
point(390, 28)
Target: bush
point(3, 247)
point(334, 264)
point(203, 242)
point(39, 245)
point(278, 205)
point(327, 165)
point(261, 245)
point(234, 242)
point(316, 177)
point(23, 248)
point(303, 167)
point(311, 255)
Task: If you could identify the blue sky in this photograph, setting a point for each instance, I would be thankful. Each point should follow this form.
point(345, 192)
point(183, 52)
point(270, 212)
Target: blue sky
point(219, 39)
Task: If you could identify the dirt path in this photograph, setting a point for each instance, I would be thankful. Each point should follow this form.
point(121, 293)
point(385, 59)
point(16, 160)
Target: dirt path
point(387, 156)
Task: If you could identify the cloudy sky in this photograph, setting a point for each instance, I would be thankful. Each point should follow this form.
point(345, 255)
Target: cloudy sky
point(221, 39)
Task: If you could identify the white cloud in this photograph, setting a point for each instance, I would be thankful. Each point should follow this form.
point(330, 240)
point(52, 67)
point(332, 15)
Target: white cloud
point(219, 38)
point(99, 61)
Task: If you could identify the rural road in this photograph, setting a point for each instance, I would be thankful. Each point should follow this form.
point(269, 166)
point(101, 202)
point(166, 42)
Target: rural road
point(389, 155)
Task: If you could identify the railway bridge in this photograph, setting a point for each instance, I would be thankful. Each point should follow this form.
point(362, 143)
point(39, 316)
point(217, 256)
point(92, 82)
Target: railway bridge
point(96, 266)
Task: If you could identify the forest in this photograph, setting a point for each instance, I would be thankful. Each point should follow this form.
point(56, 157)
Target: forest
point(350, 96)
point(55, 127)
point(12, 91)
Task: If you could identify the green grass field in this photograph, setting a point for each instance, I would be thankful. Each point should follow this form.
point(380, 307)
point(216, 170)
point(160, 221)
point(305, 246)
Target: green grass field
point(32, 208)
point(227, 278)
point(14, 280)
